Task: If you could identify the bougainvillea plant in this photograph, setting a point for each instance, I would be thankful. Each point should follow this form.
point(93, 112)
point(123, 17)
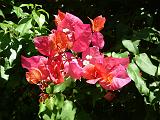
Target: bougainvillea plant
point(72, 52)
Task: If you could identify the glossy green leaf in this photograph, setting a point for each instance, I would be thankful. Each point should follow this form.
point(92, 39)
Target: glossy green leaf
point(42, 107)
point(59, 101)
point(3, 75)
point(61, 87)
point(1, 13)
point(50, 103)
point(19, 12)
point(12, 56)
point(131, 46)
point(134, 74)
point(158, 72)
point(4, 41)
point(46, 117)
point(143, 61)
point(39, 18)
point(24, 26)
point(120, 55)
point(68, 112)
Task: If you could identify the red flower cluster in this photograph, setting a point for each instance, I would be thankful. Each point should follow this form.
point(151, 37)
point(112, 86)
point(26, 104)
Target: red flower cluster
point(61, 58)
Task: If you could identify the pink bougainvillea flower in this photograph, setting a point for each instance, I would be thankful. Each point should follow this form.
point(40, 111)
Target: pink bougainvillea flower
point(32, 62)
point(97, 40)
point(98, 23)
point(110, 62)
point(79, 34)
point(110, 79)
point(92, 55)
point(82, 35)
point(36, 66)
point(52, 44)
point(73, 68)
point(59, 41)
point(55, 67)
point(115, 79)
point(59, 17)
point(91, 74)
point(43, 44)
point(34, 76)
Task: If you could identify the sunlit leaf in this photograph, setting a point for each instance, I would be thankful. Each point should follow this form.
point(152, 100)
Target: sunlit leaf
point(131, 46)
point(68, 112)
point(143, 61)
point(158, 73)
point(39, 18)
point(59, 101)
point(42, 107)
point(19, 12)
point(63, 86)
point(50, 103)
point(134, 74)
point(12, 56)
point(120, 55)
point(24, 26)
point(1, 13)
point(3, 75)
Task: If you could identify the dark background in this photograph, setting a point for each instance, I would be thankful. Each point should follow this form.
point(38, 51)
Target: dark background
point(19, 100)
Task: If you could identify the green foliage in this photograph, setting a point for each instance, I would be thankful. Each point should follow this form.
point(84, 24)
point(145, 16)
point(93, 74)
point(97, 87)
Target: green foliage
point(131, 46)
point(143, 61)
point(137, 29)
point(56, 108)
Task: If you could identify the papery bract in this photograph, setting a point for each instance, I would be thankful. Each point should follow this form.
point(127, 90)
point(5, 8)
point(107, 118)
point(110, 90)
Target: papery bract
point(98, 23)
point(78, 33)
point(55, 66)
point(93, 55)
point(110, 62)
point(82, 34)
point(73, 68)
point(116, 79)
point(59, 42)
point(32, 62)
point(34, 76)
point(43, 44)
point(59, 17)
point(52, 44)
point(97, 40)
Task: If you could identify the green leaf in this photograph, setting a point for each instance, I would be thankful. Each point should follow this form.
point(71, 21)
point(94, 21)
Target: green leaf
point(24, 26)
point(158, 72)
point(12, 56)
point(40, 19)
point(27, 5)
point(120, 55)
point(59, 101)
point(42, 107)
point(134, 74)
point(131, 46)
point(68, 112)
point(50, 103)
point(43, 11)
point(1, 13)
point(19, 12)
point(143, 61)
point(4, 41)
point(3, 75)
point(46, 117)
point(61, 87)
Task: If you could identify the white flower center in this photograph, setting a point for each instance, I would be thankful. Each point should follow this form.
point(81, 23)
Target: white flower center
point(88, 57)
point(85, 62)
point(65, 30)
